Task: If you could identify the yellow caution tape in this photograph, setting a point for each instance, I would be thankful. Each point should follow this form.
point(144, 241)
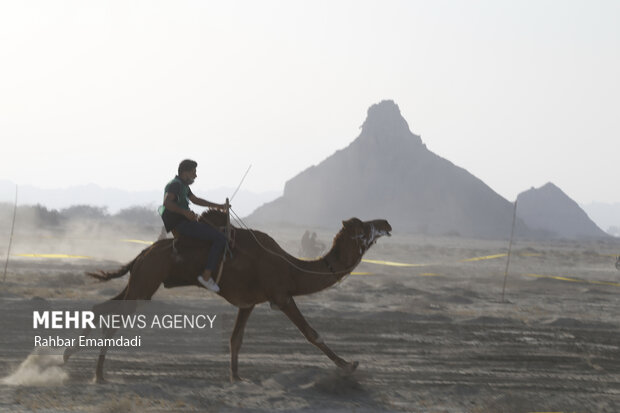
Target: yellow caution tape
point(53, 256)
point(487, 257)
point(554, 277)
point(138, 241)
point(394, 264)
point(569, 279)
point(429, 274)
point(604, 283)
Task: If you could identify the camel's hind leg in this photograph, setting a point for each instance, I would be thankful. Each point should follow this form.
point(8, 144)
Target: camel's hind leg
point(147, 274)
point(235, 341)
point(126, 308)
point(98, 309)
point(135, 291)
point(293, 313)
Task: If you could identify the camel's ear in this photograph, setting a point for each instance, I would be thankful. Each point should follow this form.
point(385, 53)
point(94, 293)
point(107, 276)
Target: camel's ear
point(352, 222)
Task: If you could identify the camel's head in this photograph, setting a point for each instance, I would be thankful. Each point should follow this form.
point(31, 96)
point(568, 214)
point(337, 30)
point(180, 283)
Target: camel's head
point(366, 233)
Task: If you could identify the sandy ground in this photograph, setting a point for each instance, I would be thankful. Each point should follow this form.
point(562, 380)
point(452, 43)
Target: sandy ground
point(435, 337)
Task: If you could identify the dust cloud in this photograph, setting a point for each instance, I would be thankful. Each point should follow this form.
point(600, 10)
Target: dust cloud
point(41, 368)
point(80, 232)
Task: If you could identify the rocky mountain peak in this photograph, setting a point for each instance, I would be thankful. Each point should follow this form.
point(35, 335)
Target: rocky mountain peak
point(548, 208)
point(384, 122)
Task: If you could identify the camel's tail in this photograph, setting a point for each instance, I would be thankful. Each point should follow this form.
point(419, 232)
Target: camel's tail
point(108, 275)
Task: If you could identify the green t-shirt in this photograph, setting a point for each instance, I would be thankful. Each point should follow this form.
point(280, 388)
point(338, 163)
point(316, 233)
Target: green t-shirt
point(182, 192)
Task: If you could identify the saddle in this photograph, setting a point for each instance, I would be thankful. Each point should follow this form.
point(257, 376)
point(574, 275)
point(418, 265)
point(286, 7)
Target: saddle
point(190, 258)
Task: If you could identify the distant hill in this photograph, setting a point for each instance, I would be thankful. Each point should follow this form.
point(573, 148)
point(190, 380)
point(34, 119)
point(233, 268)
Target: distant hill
point(387, 172)
point(549, 209)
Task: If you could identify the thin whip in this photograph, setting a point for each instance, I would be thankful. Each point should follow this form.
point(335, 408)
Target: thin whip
point(242, 179)
point(240, 221)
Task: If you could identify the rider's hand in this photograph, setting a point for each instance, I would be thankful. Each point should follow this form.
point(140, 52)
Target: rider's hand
point(189, 214)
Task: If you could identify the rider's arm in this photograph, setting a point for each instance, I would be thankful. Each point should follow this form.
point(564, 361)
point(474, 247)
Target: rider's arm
point(205, 203)
point(171, 205)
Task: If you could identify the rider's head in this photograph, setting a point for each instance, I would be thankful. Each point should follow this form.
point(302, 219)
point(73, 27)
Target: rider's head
point(187, 171)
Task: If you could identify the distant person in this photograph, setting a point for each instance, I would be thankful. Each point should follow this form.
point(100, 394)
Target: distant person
point(313, 239)
point(310, 247)
point(305, 243)
point(317, 245)
point(178, 217)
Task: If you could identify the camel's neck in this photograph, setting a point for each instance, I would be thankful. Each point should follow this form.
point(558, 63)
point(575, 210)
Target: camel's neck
point(316, 275)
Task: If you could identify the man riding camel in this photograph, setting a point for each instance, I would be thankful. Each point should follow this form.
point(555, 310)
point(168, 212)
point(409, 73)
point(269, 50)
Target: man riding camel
point(177, 216)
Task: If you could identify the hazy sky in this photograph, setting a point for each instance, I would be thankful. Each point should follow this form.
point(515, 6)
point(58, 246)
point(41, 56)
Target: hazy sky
point(116, 93)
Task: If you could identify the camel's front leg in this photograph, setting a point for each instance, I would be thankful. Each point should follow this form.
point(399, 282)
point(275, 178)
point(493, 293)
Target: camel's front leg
point(293, 313)
point(235, 341)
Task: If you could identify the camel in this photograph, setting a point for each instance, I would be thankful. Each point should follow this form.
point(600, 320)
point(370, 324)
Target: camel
point(259, 271)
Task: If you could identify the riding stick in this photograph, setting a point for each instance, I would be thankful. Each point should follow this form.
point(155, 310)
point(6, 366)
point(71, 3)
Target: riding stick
point(219, 273)
point(242, 179)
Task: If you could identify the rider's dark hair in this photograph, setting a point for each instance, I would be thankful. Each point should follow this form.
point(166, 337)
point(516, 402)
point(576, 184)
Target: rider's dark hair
point(187, 165)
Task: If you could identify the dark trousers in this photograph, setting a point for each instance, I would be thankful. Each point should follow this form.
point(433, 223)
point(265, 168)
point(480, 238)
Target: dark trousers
point(205, 232)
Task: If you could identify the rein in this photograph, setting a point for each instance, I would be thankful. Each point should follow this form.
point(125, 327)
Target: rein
point(329, 266)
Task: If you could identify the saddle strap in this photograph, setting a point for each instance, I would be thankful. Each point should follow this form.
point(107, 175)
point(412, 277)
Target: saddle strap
point(230, 245)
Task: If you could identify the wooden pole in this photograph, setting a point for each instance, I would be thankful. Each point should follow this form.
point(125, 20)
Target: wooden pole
point(6, 264)
point(512, 231)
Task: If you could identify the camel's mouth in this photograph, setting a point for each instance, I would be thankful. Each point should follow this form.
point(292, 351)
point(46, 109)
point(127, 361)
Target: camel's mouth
point(371, 231)
point(385, 229)
point(376, 233)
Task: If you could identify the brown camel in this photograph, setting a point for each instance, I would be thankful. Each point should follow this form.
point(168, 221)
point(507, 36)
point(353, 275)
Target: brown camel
point(259, 271)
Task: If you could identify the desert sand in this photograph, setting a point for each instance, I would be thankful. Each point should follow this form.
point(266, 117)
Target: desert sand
point(430, 336)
